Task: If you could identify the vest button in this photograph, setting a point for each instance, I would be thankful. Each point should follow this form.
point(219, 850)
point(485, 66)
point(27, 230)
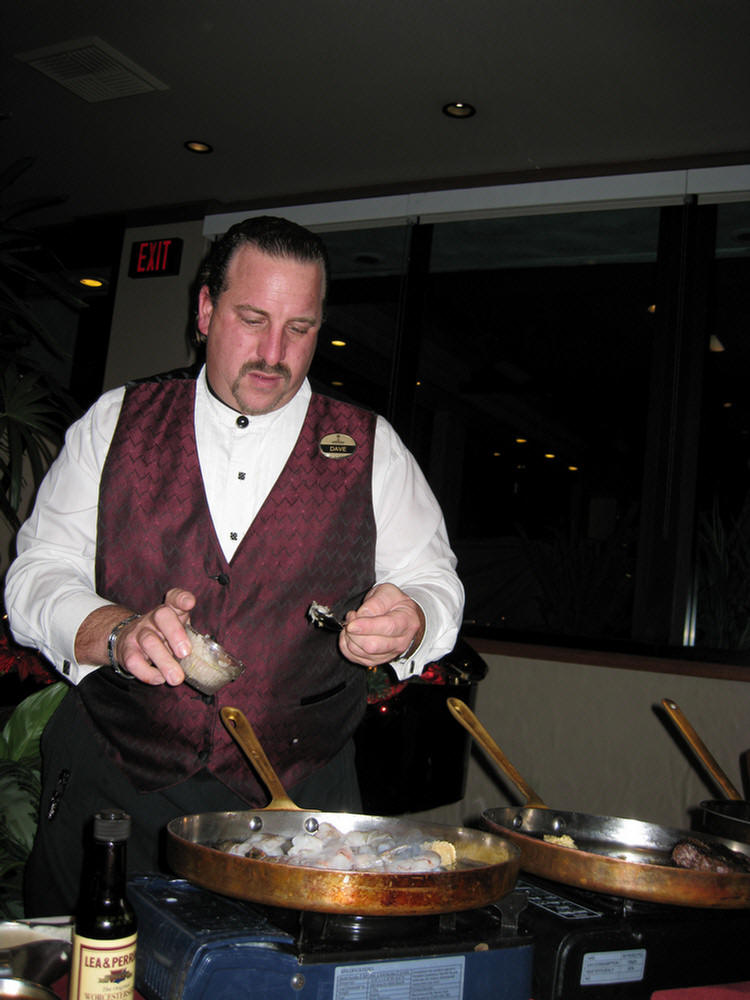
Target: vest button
point(221, 578)
point(242, 421)
point(294, 741)
point(203, 756)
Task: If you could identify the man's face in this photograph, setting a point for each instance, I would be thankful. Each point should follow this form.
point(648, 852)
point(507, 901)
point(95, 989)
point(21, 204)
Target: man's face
point(262, 331)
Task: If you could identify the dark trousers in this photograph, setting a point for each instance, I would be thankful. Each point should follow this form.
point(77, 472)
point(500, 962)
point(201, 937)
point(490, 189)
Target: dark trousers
point(79, 781)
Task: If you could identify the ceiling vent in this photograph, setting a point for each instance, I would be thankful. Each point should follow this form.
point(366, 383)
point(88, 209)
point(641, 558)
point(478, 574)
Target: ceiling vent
point(91, 69)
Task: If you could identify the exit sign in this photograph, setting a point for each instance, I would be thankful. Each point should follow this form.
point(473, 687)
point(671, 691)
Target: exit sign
point(155, 258)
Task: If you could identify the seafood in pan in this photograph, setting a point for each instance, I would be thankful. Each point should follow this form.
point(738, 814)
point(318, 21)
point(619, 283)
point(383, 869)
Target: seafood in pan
point(356, 851)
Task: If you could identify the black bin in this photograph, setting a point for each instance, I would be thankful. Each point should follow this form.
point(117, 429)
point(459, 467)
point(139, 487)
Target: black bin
point(412, 755)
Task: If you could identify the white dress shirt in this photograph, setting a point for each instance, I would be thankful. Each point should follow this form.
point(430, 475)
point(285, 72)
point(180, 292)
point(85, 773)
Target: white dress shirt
point(50, 587)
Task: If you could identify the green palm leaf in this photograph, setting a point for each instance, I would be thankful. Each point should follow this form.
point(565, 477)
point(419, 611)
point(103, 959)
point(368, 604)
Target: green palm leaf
point(33, 419)
point(34, 411)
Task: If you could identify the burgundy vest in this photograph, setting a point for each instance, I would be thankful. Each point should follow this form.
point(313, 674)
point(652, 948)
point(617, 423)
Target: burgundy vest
point(313, 539)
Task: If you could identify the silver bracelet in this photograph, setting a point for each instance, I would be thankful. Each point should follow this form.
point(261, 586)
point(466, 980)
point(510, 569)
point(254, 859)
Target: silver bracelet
point(111, 645)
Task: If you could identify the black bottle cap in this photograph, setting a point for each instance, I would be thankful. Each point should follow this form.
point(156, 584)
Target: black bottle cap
point(112, 825)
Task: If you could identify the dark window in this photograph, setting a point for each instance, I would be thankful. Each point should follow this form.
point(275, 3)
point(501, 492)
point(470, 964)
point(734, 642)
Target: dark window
point(357, 343)
point(552, 375)
point(534, 376)
point(723, 528)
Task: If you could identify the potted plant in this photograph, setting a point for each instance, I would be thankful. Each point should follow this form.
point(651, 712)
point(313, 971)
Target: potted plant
point(34, 408)
point(20, 790)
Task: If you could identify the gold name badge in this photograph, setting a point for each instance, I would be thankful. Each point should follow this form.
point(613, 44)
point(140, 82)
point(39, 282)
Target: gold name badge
point(337, 446)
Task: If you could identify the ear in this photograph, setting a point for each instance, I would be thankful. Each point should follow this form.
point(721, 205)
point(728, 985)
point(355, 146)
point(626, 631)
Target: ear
point(205, 310)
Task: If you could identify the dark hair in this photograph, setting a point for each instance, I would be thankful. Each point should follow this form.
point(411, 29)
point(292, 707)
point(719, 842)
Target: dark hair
point(271, 235)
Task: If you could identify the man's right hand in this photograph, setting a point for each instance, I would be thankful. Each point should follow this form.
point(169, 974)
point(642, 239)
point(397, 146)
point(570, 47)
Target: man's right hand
point(149, 647)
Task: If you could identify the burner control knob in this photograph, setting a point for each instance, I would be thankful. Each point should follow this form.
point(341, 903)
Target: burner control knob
point(311, 824)
point(297, 982)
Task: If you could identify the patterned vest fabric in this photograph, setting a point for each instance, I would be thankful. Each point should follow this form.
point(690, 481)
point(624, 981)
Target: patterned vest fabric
point(313, 539)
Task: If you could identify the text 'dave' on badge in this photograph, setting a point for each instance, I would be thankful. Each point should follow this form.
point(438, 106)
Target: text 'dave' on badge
point(337, 445)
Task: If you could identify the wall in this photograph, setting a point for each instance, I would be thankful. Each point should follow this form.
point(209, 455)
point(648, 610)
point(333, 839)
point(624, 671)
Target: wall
point(151, 318)
point(588, 738)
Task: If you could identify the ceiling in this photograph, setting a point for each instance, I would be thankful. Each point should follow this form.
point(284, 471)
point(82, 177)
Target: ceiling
point(317, 99)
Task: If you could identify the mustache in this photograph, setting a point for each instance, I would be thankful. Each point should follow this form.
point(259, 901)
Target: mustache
point(265, 369)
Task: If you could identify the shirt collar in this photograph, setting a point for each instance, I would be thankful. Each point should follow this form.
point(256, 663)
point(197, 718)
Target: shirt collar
point(226, 416)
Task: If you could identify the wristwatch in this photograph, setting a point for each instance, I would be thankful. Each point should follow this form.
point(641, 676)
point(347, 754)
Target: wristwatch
point(111, 645)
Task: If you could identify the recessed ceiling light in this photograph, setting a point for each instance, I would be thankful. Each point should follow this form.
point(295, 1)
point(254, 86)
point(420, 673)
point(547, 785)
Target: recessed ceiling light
point(459, 109)
point(198, 146)
point(91, 282)
point(338, 343)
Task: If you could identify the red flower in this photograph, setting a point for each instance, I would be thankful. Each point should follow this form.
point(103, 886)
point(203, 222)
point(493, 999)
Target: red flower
point(382, 683)
point(433, 673)
point(27, 663)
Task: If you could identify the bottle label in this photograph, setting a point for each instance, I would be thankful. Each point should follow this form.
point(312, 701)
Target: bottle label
point(102, 970)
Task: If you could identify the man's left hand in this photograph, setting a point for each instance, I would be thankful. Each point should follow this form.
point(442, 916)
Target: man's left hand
point(383, 628)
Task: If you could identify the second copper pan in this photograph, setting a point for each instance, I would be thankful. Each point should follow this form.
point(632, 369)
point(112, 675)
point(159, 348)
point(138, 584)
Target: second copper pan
point(613, 855)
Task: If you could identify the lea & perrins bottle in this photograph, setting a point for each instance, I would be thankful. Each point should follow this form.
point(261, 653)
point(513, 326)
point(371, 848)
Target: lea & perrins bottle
point(102, 963)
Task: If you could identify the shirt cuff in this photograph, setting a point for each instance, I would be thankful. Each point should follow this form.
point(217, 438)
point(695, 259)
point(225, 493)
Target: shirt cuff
point(436, 641)
point(70, 613)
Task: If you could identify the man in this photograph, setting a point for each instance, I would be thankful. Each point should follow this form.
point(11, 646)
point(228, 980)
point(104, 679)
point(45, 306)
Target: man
point(220, 500)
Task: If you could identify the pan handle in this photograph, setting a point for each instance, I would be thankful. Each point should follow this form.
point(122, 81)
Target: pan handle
point(699, 748)
point(463, 714)
point(244, 736)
